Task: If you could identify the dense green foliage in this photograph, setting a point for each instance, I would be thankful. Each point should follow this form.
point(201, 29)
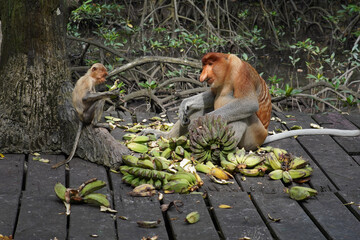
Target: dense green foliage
point(291, 43)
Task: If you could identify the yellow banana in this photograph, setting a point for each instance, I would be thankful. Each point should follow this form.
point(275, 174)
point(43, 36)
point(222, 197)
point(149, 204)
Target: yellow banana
point(220, 173)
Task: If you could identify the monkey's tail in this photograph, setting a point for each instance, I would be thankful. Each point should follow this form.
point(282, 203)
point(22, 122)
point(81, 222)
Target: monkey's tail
point(301, 132)
point(72, 153)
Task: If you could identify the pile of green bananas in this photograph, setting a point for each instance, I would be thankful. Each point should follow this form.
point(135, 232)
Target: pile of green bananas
point(174, 148)
point(84, 193)
point(247, 164)
point(147, 170)
point(286, 167)
point(210, 138)
point(182, 182)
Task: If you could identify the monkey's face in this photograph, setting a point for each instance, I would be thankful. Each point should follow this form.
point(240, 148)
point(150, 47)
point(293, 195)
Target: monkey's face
point(99, 72)
point(214, 69)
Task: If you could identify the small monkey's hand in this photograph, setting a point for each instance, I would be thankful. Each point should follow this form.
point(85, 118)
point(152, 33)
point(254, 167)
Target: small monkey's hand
point(184, 110)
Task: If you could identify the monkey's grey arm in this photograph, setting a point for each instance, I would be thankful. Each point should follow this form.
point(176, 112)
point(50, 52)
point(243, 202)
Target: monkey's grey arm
point(194, 104)
point(92, 97)
point(324, 131)
point(237, 109)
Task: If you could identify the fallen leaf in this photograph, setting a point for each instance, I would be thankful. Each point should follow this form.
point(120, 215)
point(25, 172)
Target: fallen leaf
point(273, 219)
point(148, 224)
point(107, 209)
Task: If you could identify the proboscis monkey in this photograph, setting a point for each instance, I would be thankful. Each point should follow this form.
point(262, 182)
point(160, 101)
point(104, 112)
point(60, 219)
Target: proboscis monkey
point(87, 102)
point(239, 94)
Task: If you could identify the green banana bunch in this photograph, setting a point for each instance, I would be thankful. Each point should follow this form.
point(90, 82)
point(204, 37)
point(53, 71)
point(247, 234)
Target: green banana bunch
point(210, 138)
point(299, 193)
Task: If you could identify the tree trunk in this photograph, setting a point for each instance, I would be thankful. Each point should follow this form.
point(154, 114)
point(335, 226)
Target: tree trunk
point(36, 114)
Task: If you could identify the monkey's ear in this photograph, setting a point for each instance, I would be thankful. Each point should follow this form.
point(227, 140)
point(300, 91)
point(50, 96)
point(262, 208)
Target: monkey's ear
point(93, 69)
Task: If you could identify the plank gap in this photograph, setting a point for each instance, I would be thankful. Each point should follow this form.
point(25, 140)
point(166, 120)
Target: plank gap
point(318, 165)
point(313, 219)
point(213, 217)
point(349, 207)
point(167, 223)
point(111, 187)
point(263, 217)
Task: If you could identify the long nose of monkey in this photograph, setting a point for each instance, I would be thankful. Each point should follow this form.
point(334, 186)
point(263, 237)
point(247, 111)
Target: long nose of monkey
point(203, 77)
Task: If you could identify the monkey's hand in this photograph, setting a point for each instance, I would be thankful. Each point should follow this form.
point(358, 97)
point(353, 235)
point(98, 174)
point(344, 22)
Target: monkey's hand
point(194, 104)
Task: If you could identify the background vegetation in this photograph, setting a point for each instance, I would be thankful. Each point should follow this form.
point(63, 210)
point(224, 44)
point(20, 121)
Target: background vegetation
point(307, 51)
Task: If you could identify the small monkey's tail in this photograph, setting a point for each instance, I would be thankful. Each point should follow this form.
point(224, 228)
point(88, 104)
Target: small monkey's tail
point(72, 153)
point(324, 131)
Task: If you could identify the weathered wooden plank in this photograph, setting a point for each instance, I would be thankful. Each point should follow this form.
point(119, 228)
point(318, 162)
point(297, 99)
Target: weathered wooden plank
point(39, 216)
point(357, 159)
point(11, 174)
point(11, 180)
point(9, 208)
point(352, 200)
point(136, 209)
point(242, 220)
point(354, 118)
point(260, 184)
point(336, 120)
point(294, 222)
point(204, 229)
point(330, 157)
point(332, 216)
point(319, 180)
point(41, 178)
point(85, 219)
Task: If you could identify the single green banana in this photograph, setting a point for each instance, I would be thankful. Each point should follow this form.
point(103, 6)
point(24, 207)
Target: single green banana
point(148, 164)
point(60, 191)
point(273, 161)
point(250, 172)
point(97, 199)
point(92, 187)
point(177, 186)
point(166, 153)
point(297, 173)
point(140, 139)
point(286, 177)
point(276, 174)
point(297, 163)
point(137, 147)
point(183, 175)
point(252, 160)
point(130, 160)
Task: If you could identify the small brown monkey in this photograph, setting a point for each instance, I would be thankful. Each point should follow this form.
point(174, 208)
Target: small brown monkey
point(87, 102)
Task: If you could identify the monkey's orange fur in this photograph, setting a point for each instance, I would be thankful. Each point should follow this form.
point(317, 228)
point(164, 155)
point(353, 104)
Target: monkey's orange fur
point(226, 73)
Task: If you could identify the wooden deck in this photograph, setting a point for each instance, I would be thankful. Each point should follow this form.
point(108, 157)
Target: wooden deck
point(30, 209)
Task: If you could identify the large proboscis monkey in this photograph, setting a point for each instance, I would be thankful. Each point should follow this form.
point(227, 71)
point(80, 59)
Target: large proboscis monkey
point(238, 94)
point(88, 103)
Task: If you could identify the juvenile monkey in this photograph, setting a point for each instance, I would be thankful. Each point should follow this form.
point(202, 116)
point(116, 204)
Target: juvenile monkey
point(87, 102)
point(238, 94)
